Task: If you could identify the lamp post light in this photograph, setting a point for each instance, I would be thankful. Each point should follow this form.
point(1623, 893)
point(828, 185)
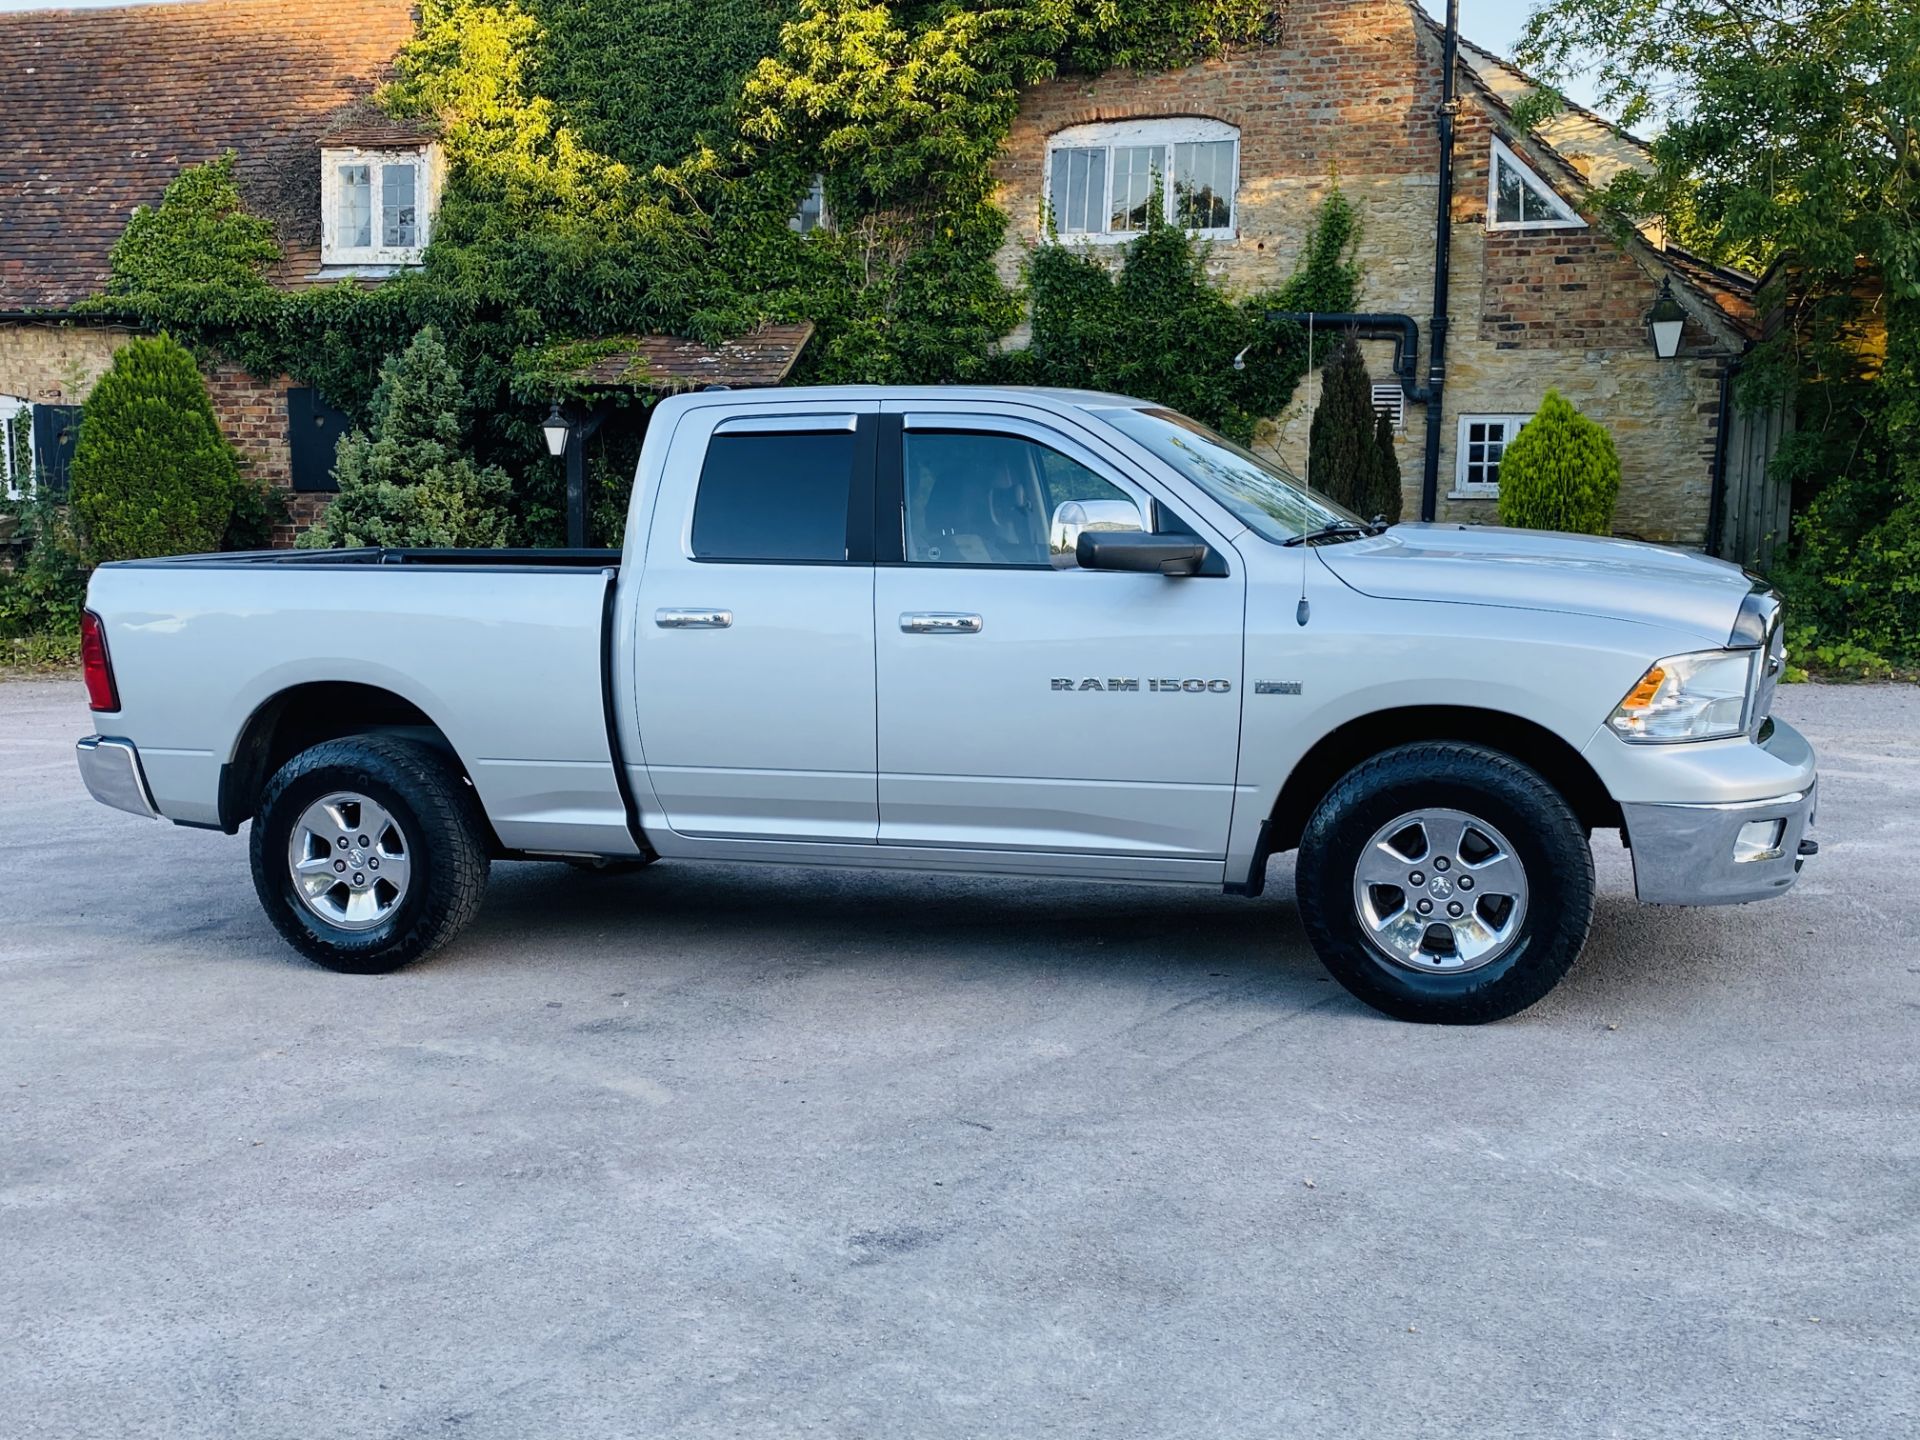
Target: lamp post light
point(569, 438)
point(1665, 322)
point(557, 431)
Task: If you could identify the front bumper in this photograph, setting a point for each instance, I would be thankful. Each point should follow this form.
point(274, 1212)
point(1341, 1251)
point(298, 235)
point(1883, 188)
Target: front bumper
point(112, 771)
point(1719, 854)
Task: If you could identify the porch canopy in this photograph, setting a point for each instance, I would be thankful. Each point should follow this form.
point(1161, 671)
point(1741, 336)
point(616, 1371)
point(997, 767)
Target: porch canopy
point(668, 364)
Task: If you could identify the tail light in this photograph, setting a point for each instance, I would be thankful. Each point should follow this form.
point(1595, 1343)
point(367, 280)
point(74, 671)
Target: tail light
point(102, 694)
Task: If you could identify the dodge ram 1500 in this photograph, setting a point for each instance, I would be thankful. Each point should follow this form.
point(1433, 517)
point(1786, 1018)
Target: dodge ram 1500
point(982, 630)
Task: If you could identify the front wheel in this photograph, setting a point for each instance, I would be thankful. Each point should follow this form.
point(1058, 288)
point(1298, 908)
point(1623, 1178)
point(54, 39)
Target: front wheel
point(368, 852)
point(1445, 883)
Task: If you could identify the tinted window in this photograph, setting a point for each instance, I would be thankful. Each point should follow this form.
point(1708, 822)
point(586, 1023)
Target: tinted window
point(979, 499)
point(774, 497)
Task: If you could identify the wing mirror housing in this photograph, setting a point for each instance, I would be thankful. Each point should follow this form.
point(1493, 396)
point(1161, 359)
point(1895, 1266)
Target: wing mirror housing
point(1074, 518)
point(1172, 555)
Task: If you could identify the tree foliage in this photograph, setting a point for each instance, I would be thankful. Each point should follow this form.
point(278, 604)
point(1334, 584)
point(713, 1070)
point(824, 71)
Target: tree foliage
point(1790, 138)
point(408, 482)
point(1560, 472)
point(622, 166)
point(151, 473)
point(1157, 326)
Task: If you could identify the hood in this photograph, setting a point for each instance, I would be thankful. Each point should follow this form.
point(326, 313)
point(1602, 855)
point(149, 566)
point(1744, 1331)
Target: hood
point(1538, 570)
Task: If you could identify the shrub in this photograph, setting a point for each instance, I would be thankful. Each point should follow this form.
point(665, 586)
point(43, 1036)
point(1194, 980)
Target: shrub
point(408, 483)
point(1560, 473)
point(152, 474)
point(40, 597)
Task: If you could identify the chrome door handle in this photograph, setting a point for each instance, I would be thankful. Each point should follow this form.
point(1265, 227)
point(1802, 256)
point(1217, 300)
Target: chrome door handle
point(940, 623)
point(693, 619)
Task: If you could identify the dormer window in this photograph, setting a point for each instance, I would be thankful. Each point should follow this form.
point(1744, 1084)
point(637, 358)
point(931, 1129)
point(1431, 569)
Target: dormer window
point(1518, 199)
point(377, 206)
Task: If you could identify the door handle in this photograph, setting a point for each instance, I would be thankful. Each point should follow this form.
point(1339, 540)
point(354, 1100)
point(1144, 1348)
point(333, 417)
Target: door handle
point(693, 619)
point(940, 623)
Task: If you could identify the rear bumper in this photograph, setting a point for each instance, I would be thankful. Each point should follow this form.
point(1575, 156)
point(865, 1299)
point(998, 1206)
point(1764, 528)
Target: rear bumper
point(1721, 854)
point(112, 771)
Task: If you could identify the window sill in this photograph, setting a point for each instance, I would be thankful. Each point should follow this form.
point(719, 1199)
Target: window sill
point(1121, 237)
point(1480, 494)
point(1509, 225)
point(362, 269)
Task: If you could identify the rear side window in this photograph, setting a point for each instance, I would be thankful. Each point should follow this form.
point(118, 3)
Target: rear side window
point(774, 497)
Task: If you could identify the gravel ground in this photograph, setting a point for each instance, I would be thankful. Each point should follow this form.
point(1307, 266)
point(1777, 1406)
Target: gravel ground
point(710, 1151)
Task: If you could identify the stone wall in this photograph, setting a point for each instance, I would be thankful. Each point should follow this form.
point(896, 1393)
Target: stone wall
point(1351, 90)
point(58, 364)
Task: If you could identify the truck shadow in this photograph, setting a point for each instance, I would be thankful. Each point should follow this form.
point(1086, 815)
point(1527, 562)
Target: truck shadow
point(739, 916)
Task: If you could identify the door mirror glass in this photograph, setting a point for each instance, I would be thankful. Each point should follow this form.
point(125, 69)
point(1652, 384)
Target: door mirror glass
point(1073, 518)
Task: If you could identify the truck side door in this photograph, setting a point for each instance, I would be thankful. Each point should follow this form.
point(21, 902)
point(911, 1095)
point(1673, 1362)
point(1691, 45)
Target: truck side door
point(1024, 703)
point(754, 648)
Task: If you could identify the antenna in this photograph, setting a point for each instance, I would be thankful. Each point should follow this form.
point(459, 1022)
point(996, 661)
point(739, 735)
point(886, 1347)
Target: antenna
point(1307, 469)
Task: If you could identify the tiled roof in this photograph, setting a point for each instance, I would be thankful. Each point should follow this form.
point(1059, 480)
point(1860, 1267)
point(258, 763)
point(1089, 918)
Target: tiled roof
point(667, 362)
point(104, 107)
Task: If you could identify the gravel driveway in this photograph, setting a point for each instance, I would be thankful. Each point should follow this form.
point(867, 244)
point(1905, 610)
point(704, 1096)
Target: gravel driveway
point(721, 1152)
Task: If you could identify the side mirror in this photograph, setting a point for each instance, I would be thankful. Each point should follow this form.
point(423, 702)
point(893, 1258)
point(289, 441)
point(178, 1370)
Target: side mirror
point(1073, 518)
point(1149, 554)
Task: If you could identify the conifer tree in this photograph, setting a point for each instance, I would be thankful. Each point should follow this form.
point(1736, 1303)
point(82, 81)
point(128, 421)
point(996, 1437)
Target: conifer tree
point(1560, 472)
point(408, 482)
point(1343, 462)
point(151, 472)
point(1384, 498)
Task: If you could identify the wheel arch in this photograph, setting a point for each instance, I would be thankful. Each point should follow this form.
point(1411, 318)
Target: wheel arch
point(1359, 739)
point(305, 715)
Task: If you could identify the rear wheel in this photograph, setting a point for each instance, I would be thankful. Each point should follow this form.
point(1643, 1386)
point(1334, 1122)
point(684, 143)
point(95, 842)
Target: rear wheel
point(368, 853)
point(1445, 883)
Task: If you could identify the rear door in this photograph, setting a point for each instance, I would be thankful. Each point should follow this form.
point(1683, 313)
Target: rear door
point(1024, 703)
point(755, 626)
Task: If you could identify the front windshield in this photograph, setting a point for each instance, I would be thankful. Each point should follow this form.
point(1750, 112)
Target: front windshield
point(1274, 504)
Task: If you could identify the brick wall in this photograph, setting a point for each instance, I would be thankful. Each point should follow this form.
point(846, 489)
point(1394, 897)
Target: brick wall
point(253, 415)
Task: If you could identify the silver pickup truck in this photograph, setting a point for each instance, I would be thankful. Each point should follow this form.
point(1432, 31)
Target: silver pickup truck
point(974, 630)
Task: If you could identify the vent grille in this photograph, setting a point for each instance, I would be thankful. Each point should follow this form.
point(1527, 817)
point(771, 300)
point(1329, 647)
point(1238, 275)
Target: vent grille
point(1391, 401)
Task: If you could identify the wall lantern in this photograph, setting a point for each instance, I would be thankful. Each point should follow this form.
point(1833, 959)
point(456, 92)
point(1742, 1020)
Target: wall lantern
point(1666, 320)
point(556, 429)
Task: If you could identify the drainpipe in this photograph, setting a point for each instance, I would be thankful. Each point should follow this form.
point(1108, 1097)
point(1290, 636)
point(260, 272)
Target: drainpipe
point(1442, 263)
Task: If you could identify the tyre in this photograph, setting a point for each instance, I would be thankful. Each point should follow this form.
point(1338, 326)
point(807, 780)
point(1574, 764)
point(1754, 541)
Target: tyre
point(368, 853)
point(1445, 883)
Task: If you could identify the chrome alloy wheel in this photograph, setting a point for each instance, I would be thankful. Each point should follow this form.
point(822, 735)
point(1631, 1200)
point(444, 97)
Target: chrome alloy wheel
point(349, 861)
point(1439, 890)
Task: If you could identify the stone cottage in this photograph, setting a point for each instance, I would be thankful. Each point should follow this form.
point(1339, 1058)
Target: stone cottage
point(106, 107)
point(1541, 292)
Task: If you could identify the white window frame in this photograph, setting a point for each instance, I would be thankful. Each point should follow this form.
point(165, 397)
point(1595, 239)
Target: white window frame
point(427, 164)
point(1565, 216)
point(11, 407)
point(1464, 489)
point(1165, 132)
point(822, 213)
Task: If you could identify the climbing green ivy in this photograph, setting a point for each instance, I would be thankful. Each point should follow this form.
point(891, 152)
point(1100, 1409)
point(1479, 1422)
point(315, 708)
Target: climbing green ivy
point(625, 167)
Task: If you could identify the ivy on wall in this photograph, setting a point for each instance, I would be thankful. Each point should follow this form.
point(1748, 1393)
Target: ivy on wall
point(627, 167)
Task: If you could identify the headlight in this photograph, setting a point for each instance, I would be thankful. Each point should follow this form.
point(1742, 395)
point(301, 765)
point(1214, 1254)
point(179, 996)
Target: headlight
point(1688, 697)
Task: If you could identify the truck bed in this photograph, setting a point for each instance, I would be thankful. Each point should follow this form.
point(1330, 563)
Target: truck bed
point(501, 650)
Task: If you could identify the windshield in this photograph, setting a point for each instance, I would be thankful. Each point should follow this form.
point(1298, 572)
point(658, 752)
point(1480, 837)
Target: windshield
point(1274, 504)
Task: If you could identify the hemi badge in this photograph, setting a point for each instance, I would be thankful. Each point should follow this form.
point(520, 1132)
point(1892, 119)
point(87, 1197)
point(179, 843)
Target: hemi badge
point(1276, 687)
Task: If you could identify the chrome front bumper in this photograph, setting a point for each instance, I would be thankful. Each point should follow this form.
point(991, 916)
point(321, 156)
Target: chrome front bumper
point(112, 771)
point(1721, 854)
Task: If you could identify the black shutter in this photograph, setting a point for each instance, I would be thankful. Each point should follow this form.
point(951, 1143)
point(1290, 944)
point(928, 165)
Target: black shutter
point(55, 428)
point(314, 429)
